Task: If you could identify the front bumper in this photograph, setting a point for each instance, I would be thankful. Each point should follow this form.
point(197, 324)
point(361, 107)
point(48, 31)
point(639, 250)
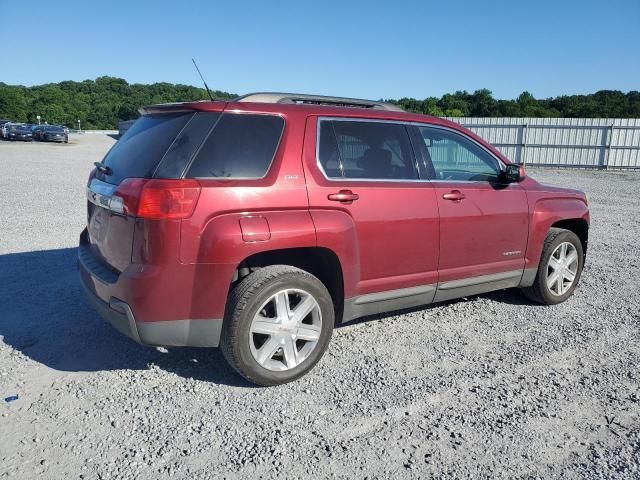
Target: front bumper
point(120, 314)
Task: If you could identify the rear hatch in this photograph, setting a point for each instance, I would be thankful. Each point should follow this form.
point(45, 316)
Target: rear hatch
point(157, 145)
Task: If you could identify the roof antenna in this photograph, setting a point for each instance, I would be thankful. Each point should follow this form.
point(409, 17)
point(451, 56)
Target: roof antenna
point(205, 83)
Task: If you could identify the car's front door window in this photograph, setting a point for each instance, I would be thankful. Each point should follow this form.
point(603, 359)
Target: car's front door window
point(456, 158)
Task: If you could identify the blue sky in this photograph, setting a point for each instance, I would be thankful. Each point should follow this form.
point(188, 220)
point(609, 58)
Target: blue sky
point(358, 48)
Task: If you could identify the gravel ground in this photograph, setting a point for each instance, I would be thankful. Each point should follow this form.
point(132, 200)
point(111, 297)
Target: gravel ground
point(490, 386)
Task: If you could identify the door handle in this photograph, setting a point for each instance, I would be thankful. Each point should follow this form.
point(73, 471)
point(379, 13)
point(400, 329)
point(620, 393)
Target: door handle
point(344, 196)
point(454, 196)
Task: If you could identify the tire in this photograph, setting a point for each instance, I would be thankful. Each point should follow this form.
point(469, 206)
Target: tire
point(259, 292)
point(541, 292)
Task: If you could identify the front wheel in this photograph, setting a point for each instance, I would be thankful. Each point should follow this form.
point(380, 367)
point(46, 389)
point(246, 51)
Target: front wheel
point(559, 270)
point(278, 324)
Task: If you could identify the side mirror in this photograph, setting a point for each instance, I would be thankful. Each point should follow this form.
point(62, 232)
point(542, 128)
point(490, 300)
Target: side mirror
point(513, 173)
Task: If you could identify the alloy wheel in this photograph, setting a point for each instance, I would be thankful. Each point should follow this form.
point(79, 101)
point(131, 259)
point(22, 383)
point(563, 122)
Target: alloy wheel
point(285, 330)
point(562, 268)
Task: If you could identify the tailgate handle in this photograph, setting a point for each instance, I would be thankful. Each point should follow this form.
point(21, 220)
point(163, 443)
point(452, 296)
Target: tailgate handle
point(344, 196)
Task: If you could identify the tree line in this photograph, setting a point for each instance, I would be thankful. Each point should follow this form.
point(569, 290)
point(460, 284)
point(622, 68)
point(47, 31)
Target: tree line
point(98, 104)
point(602, 104)
point(101, 103)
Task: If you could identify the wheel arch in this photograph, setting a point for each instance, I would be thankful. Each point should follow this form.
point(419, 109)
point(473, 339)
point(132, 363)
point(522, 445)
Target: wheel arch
point(579, 226)
point(569, 213)
point(321, 262)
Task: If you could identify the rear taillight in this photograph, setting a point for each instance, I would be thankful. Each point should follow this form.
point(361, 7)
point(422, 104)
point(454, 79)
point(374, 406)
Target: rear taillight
point(168, 199)
point(127, 196)
point(156, 198)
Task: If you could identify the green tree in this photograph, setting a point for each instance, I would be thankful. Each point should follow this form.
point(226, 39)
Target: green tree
point(482, 104)
point(102, 102)
point(13, 104)
point(455, 105)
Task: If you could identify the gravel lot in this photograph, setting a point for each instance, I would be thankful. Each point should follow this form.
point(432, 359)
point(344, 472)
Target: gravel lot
point(489, 386)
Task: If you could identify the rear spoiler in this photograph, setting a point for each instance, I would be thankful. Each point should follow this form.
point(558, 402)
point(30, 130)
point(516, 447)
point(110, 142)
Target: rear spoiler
point(197, 106)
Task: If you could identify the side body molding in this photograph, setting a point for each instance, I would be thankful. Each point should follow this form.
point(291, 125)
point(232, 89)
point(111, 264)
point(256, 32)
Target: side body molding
point(388, 301)
point(477, 285)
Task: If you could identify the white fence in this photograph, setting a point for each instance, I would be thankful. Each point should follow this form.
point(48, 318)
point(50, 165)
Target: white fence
point(562, 142)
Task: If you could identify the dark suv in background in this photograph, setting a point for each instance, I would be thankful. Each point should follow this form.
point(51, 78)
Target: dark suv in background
point(51, 133)
point(260, 224)
point(19, 131)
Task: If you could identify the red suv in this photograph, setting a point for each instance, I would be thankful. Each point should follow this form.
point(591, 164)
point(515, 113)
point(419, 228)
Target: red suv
point(259, 224)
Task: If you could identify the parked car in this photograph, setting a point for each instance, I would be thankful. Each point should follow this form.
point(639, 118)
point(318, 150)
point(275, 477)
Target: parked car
point(37, 130)
point(259, 224)
point(4, 128)
point(54, 133)
point(19, 131)
point(51, 133)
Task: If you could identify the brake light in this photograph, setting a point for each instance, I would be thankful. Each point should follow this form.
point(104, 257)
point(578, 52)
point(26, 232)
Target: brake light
point(156, 198)
point(168, 199)
point(127, 196)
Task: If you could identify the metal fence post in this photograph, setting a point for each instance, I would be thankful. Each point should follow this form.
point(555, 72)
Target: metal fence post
point(605, 146)
point(523, 149)
point(609, 142)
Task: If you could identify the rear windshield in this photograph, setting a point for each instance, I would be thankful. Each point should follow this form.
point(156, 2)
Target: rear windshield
point(202, 144)
point(138, 152)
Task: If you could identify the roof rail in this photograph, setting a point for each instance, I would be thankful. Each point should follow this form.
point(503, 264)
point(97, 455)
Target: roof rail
point(301, 98)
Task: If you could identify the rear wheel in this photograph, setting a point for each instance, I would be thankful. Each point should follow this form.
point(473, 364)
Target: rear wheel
point(278, 324)
point(559, 269)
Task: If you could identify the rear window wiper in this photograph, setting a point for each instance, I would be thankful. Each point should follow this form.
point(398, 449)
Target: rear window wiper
point(101, 167)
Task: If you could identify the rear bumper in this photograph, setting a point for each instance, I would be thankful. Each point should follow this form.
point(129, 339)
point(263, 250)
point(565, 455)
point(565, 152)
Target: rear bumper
point(98, 285)
point(117, 313)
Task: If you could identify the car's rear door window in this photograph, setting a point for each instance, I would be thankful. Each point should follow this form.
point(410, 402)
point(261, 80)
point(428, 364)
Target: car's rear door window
point(240, 146)
point(365, 150)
